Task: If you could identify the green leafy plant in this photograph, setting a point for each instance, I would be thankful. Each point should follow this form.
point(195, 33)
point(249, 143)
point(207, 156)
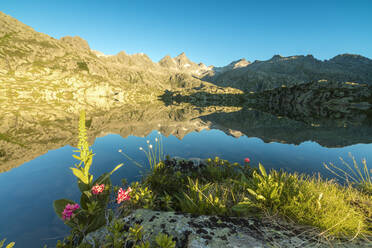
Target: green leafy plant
point(10, 245)
point(166, 202)
point(202, 199)
point(136, 233)
point(142, 196)
point(115, 238)
point(143, 245)
point(120, 235)
point(165, 241)
point(269, 188)
point(90, 214)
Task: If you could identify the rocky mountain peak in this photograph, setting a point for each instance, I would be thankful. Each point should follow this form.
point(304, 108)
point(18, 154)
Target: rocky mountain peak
point(202, 65)
point(276, 57)
point(350, 58)
point(166, 57)
point(99, 54)
point(121, 54)
point(181, 55)
point(76, 42)
point(239, 63)
point(168, 62)
point(182, 59)
point(183, 62)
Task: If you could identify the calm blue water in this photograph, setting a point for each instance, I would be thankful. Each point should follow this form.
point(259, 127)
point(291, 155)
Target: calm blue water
point(27, 192)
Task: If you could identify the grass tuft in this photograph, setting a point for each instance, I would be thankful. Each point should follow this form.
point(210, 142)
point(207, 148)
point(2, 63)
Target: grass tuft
point(360, 177)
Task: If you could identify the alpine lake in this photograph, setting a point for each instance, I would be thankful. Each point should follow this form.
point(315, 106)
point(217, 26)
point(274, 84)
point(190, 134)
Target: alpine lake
point(36, 154)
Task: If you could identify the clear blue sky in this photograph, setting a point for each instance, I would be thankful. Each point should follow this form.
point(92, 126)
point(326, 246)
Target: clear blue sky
point(213, 32)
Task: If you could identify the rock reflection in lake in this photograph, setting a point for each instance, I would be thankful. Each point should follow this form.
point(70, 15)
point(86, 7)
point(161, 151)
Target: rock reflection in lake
point(23, 139)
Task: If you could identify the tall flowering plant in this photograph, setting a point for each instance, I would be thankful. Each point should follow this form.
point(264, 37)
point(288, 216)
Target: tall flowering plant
point(90, 214)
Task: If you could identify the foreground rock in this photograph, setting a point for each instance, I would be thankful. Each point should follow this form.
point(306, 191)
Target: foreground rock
point(212, 231)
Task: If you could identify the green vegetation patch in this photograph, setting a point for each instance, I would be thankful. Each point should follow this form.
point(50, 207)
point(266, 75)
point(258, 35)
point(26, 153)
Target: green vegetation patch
point(221, 188)
point(83, 66)
point(10, 139)
point(5, 38)
point(43, 43)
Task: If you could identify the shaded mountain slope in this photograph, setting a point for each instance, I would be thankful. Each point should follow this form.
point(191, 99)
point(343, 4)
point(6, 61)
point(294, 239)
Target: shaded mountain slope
point(288, 71)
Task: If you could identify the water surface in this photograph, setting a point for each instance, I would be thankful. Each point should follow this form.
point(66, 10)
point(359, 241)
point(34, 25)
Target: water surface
point(36, 166)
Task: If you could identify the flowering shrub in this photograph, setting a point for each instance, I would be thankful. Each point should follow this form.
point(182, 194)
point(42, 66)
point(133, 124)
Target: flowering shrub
point(90, 214)
point(68, 212)
point(97, 189)
point(123, 195)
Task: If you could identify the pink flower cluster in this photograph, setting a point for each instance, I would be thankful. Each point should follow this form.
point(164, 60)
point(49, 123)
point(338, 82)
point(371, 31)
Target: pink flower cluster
point(123, 195)
point(67, 213)
point(247, 160)
point(97, 189)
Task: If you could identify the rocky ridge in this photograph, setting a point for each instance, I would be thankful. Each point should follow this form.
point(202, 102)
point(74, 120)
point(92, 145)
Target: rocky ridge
point(288, 71)
point(26, 53)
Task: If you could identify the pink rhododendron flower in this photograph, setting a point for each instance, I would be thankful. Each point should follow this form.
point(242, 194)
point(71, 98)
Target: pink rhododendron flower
point(123, 195)
point(247, 160)
point(67, 213)
point(97, 189)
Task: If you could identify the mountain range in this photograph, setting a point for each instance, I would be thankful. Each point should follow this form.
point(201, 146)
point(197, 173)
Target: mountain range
point(29, 54)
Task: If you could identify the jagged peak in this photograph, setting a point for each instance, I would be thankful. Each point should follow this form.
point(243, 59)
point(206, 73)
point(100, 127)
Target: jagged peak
point(141, 55)
point(167, 61)
point(183, 61)
point(181, 55)
point(240, 62)
point(276, 56)
point(100, 54)
point(122, 53)
point(76, 41)
point(166, 57)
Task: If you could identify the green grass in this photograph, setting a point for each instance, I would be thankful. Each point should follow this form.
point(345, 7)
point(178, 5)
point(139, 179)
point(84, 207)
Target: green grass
point(353, 174)
point(222, 188)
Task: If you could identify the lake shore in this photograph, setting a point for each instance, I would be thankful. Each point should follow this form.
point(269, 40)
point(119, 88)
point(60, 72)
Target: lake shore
point(213, 203)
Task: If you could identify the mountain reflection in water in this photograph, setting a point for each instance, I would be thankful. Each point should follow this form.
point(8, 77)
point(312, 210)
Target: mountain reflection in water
point(23, 139)
point(44, 148)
